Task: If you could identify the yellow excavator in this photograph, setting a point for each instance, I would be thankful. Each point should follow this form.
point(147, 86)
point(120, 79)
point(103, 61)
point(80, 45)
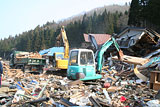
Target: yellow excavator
point(61, 59)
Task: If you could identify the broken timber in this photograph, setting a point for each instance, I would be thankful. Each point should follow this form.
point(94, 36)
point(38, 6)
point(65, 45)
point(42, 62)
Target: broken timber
point(136, 61)
point(132, 60)
point(94, 102)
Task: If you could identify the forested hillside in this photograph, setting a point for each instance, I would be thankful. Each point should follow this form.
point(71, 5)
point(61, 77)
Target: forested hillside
point(43, 37)
point(100, 10)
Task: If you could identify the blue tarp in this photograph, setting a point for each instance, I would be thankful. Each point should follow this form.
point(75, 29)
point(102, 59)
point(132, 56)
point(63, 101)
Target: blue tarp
point(51, 51)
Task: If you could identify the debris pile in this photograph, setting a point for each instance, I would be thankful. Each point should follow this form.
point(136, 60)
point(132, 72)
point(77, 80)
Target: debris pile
point(25, 89)
point(28, 55)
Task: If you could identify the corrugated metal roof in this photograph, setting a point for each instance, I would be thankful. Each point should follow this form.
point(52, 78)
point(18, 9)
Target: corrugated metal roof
point(100, 38)
point(128, 29)
point(51, 51)
point(132, 35)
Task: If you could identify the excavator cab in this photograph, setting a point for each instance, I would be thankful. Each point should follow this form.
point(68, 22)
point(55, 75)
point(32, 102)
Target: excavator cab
point(59, 61)
point(61, 58)
point(82, 61)
point(82, 65)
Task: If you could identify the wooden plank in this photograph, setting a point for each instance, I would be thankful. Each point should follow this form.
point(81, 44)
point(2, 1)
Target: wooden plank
point(155, 77)
point(158, 77)
point(107, 76)
point(75, 83)
point(27, 91)
point(63, 103)
point(155, 80)
point(47, 94)
point(152, 77)
point(113, 89)
point(139, 75)
point(94, 102)
point(132, 60)
point(151, 85)
point(78, 95)
point(156, 71)
point(156, 86)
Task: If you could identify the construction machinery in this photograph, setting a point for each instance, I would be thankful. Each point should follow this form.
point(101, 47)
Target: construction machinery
point(60, 59)
point(82, 62)
point(27, 61)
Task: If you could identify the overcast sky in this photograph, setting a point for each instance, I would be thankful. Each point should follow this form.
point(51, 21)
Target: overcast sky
point(17, 16)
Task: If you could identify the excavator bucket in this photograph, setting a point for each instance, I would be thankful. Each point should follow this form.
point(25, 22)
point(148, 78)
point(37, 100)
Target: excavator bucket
point(120, 55)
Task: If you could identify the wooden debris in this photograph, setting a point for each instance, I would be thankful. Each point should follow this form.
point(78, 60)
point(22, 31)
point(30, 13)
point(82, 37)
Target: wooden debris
point(155, 80)
point(94, 102)
point(75, 83)
point(132, 60)
point(139, 75)
point(113, 89)
point(24, 88)
point(77, 91)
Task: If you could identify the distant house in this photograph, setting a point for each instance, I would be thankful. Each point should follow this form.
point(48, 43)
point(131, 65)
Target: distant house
point(100, 39)
point(138, 39)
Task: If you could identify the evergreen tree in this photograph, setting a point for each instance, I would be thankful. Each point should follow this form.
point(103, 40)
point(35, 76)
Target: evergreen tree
point(145, 13)
point(134, 13)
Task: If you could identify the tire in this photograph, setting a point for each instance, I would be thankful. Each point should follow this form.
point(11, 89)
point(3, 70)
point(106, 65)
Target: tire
point(80, 75)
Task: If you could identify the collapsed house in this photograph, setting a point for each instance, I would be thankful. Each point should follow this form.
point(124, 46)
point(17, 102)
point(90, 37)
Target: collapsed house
point(138, 41)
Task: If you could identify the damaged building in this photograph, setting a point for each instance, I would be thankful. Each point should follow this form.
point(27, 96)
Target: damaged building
point(138, 41)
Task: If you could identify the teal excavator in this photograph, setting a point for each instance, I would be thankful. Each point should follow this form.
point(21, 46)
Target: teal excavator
point(82, 61)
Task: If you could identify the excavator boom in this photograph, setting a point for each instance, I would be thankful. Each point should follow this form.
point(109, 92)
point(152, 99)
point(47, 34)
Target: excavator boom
point(66, 44)
point(63, 36)
point(100, 50)
point(60, 58)
point(100, 54)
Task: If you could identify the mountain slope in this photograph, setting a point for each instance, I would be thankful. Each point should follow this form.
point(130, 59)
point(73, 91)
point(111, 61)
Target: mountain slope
point(107, 19)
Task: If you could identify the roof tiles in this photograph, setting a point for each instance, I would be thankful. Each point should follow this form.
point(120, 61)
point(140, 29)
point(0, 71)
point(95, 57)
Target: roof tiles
point(100, 38)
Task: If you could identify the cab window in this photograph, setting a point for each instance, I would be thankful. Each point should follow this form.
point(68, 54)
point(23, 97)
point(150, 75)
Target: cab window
point(59, 56)
point(73, 58)
point(86, 58)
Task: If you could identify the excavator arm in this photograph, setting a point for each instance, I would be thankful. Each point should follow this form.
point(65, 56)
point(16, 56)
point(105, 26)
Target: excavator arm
point(104, 47)
point(58, 39)
point(65, 41)
point(63, 36)
point(93, 41)
point(94, 44)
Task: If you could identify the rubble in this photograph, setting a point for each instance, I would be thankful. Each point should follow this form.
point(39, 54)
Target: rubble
point(48, 90)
